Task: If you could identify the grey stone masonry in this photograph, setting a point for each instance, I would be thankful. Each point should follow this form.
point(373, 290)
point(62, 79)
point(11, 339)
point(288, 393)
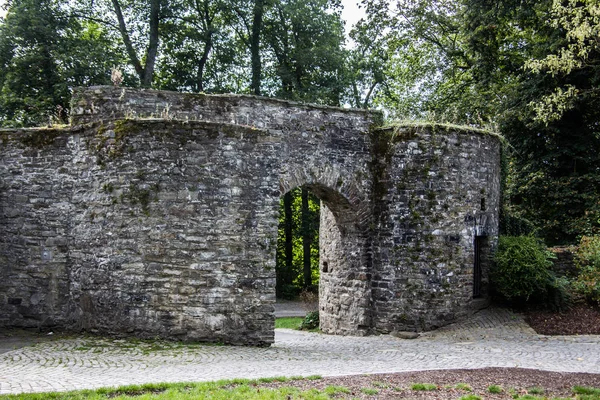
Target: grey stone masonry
point(156, 214)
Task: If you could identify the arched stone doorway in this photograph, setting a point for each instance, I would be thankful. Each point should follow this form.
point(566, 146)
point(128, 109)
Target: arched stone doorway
point(344, 249)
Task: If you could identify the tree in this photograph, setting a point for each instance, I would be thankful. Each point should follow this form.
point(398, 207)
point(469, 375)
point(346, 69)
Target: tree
point(555, 179)
point(202, 53)
point(144, 71)
point(257, 27)
point(29, 43)
point(579, 54)
point(305, 40)
point(505, 64)
point(44, 52)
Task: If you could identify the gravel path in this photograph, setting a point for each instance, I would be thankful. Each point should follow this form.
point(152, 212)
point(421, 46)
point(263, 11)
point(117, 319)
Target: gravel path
point(493, 338)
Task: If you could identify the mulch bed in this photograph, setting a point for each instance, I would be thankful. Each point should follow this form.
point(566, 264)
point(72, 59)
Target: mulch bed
point(580, 319)
point(513, 382)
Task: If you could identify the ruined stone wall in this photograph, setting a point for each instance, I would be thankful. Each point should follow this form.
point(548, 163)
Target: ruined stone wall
point(439, 188)
point(324, 149)
point(172, 225)
point(167, 226)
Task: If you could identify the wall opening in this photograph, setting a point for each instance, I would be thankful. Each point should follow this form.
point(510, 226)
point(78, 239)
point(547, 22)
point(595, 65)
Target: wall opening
point(297, 258)
point(478, 260)
point(339, 286)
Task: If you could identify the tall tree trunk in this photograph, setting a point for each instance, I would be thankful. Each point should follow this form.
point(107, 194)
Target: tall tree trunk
point(306, 239)
point(208, 44)
point(145, 72)
point(133, 58)
point(257, 20)
point(152, 50)
point(289, 239)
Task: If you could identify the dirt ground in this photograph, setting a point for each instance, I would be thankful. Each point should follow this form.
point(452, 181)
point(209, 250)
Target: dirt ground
point(454, 384)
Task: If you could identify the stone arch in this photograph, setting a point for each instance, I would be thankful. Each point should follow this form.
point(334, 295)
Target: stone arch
point(344, 243)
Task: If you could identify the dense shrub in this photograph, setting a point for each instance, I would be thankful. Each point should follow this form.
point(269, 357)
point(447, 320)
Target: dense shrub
point(311, 321)
point(522, 271)
point(587, 259)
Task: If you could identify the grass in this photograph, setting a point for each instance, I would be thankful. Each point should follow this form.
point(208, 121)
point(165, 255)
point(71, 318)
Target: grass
point(219, 390)
point(463, 386)
point(257, 389)
point(494, 389)
point(586, 390)
point(423, 386)
point(288, 322)
point(336, 390)
point(586, 393)
point(535, 390)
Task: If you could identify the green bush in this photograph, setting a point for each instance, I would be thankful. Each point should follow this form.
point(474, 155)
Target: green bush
point(522, 270)
point(588, 252)
point(311, 321)
point(587, 259)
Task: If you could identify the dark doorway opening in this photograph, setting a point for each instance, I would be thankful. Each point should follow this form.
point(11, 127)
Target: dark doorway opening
point(477, 268)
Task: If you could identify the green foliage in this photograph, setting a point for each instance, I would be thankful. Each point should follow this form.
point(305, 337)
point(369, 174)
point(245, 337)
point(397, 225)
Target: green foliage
point(47, 47)
point(553, 174)
point(237, 389)
point(311, 321)
point(305, 40)
point(585, 390)
point(423, 386)
point(494, 389)
point(588, 252)
point(470, 397)
point(336, 390)
point(289, 273)
point(512, 223)
point(44, 52)
point(535, 390)
point(528, 68)
point(581, 22)
point(463, 386)
point(522, 268)
point(587, 259)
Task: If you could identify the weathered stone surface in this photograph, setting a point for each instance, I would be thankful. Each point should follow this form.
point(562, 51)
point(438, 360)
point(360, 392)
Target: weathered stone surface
point(168, 226)
point(439, 189)
point(404, 335)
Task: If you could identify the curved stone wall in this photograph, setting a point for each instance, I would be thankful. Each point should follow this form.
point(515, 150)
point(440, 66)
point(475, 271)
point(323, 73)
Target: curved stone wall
point(440, 189)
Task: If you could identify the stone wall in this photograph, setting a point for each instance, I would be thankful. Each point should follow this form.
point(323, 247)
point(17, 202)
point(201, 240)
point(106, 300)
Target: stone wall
point(36, 187)
point(439, 188)
point(564, 263)
point(167, 226)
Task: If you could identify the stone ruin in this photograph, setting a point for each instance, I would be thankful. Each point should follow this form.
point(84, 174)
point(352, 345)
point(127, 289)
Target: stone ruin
point(155, 214)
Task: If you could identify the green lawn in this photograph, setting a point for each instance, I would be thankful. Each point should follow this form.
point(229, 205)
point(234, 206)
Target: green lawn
point(258, 389)
point(225, 390)
point(288, 322)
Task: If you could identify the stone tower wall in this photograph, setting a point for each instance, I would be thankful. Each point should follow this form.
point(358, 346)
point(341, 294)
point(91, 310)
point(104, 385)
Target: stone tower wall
point(440, 188)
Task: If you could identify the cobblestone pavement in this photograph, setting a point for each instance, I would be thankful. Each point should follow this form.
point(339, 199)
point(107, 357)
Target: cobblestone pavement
point(289, 308)
point(493, 338)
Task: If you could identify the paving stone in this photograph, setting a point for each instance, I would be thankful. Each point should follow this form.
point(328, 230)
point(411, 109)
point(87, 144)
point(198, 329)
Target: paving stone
point(492, 338)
